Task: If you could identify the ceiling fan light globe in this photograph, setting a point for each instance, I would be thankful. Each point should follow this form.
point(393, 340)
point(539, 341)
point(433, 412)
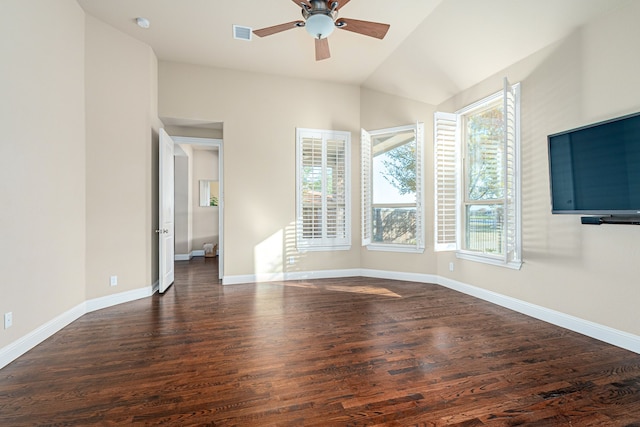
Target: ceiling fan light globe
point(320, 26)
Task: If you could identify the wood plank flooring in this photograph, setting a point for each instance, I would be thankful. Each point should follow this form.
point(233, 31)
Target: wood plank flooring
point(350, 352)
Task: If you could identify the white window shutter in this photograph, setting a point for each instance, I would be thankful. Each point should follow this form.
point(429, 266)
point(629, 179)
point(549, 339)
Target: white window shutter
point(365, 179)
point(309, 195)
point(323, 190)
point(419, 185)
point(335, 203)
point(512, 173)
point(445, 181)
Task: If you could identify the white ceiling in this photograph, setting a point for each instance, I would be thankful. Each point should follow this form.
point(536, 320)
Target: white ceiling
point(434, 49)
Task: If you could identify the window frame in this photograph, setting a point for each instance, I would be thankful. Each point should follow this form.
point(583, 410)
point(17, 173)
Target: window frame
point(324, 242)
point(485, 104)
point(448, 140)
point(366, 178)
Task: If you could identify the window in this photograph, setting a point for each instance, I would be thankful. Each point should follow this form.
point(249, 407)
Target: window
point(323, 190)
point(392, 214)
point(477, 180)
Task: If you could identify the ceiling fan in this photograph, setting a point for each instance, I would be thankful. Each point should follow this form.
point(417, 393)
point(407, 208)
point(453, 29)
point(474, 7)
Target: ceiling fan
point(320, 19)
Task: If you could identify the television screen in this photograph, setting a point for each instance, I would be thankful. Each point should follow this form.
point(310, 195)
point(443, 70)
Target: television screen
point(596, 169)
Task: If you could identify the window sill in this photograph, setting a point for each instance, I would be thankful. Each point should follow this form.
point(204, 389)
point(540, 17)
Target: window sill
point(514, 265)
point(323, 248)
point(395, 248)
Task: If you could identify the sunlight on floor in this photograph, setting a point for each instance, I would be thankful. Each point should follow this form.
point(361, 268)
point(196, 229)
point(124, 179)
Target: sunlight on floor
point(370, 290)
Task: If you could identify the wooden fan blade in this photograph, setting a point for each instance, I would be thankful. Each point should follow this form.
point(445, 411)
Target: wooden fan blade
point(277, 28)
point(322, 49)
point(341, 3)
point(367, 28)
point(302, 1)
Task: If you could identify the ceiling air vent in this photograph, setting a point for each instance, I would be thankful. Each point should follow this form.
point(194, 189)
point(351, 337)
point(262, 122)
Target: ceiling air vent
point(241, 33)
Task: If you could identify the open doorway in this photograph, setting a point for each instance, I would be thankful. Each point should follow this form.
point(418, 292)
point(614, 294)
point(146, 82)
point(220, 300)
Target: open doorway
point(195, 136)
point(205, 139)
point(199, 200)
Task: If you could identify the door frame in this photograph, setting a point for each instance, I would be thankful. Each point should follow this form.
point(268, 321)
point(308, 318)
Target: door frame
point(218, 143)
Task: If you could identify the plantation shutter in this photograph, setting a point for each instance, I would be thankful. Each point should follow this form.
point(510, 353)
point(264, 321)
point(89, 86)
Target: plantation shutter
point(310, 205)
point(419, 186)
point(323, 206)
point(445, 181)
point(512, 166)
point(335, 178)
point(365, 179)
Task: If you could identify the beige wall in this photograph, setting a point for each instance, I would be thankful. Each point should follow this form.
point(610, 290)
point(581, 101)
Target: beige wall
point(205, 219)
point(121, 150)
point(586, 271)
point(42, 166)
point(260, 115)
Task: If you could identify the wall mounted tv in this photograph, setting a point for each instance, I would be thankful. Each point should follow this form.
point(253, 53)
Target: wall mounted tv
point(595, 169)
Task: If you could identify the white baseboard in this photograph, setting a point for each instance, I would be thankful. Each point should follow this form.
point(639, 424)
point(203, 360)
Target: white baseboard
point(252, 278)
point(19, 347)
point(398, 275)
point(287, 276)
point(115, 299)
point(322, 274)
point(187, 257)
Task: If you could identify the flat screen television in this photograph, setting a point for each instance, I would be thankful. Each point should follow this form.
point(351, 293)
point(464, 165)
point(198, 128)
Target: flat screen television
point(595, 169)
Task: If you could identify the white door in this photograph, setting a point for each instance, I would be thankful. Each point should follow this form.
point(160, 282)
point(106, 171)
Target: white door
point(166, 224)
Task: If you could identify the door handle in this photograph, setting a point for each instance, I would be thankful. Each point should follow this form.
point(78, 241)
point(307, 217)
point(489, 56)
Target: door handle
point(163, 231)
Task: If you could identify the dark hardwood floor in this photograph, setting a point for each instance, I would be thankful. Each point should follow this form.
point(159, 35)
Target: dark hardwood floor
point(350, 352)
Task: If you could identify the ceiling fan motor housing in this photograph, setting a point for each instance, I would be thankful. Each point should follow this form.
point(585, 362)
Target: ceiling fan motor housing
point(320, 7)
point(317, 6)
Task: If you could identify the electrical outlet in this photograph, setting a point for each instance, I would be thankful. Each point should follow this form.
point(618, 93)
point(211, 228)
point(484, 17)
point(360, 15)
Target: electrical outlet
point(8, 320)
point(451, 266)
point(113, 281)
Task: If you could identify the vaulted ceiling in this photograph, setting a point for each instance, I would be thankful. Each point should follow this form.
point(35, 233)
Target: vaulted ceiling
point(434, 49)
